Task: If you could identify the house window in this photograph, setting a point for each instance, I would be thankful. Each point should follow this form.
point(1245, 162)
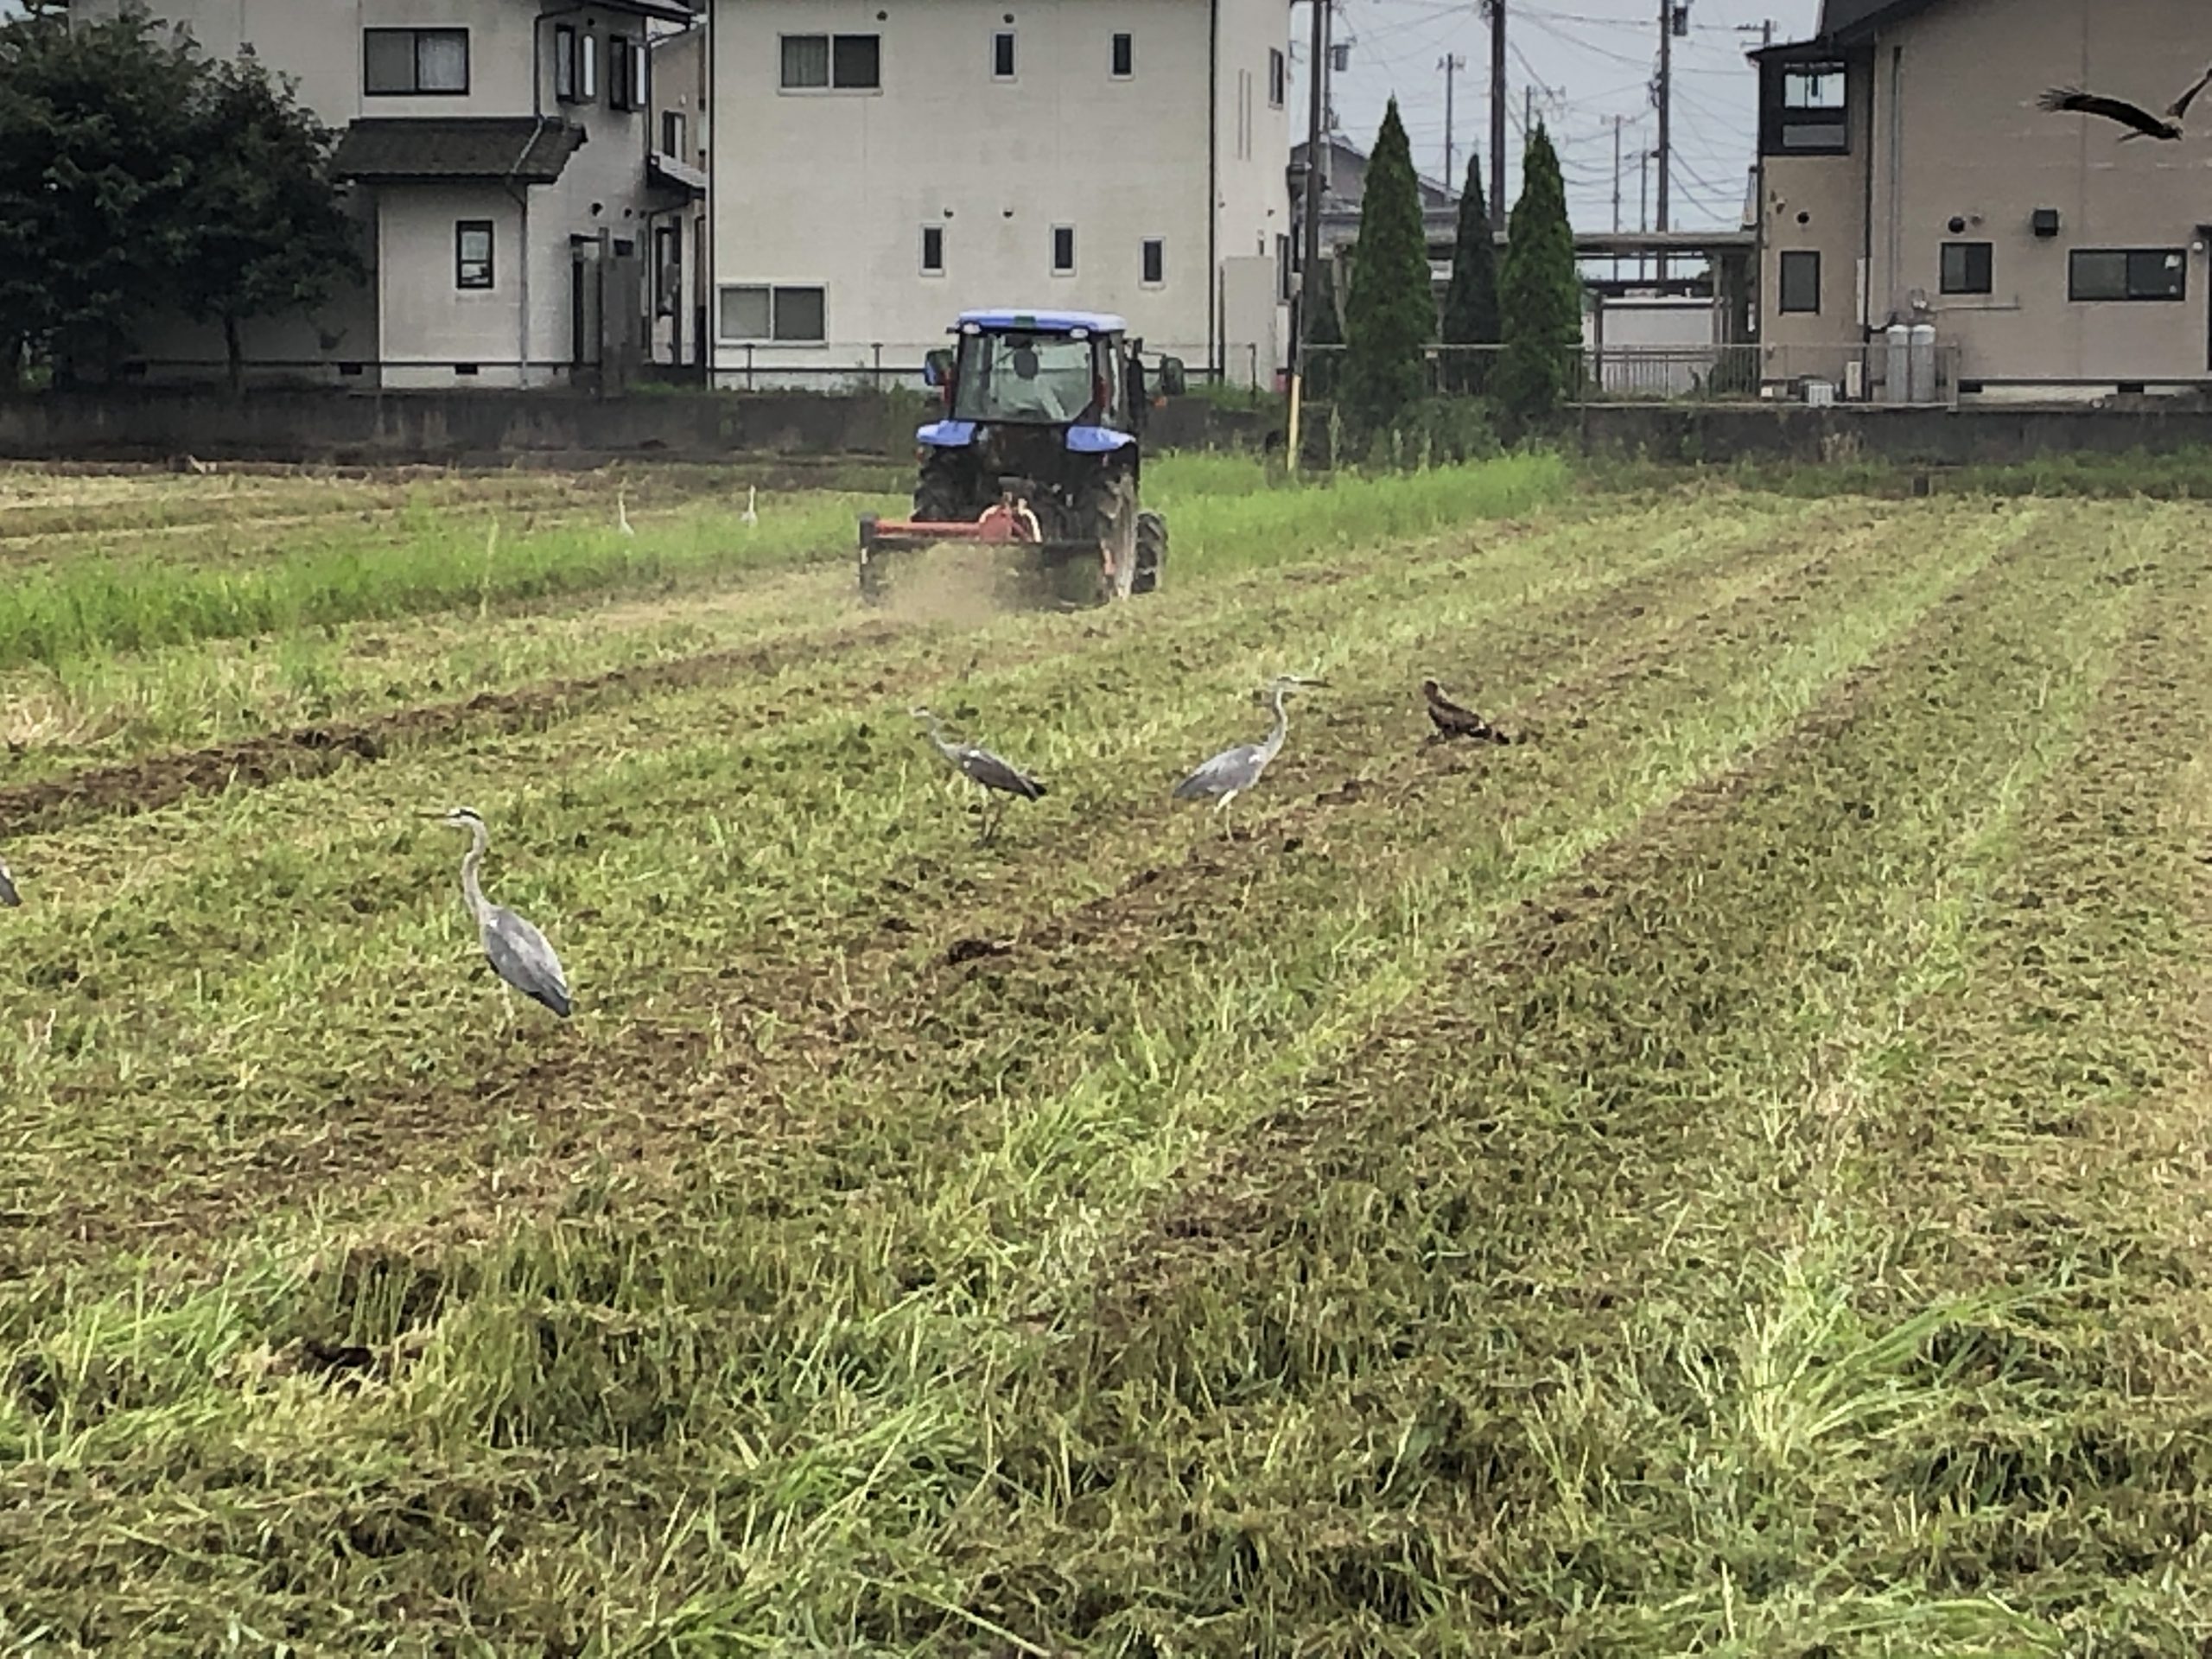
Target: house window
point(564, 63)
point(588, 68)
point(1154, 262)
point(756, 311)
point(668, 269)
point(932, 250)
point(641, 85)
point(840, 62)
point(2127, 274)
point(1063, 250)
point(472, 253)
point(1805, 110)
point(1276, 73)
point(1967, 268)
point(671, 133)
point(1002, 55)
point(414, 60)
point(624, 74)
point(1125, 56)
point(1283, 270)
point(1800, 281)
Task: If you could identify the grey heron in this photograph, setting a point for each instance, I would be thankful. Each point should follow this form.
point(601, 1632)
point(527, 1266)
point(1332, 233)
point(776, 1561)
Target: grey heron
point(1452, 720)
point(980, 765)
point(750, 516)
point(1232, 772)
point(622, 510)
point(517, 951)
point(8, 893)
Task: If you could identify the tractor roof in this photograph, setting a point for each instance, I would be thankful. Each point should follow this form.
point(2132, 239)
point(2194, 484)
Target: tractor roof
point(1046, 322)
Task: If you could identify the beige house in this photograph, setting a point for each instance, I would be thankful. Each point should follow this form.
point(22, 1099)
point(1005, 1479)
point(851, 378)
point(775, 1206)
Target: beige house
point(507, 171)
point(879, 165)
point(1907, 175)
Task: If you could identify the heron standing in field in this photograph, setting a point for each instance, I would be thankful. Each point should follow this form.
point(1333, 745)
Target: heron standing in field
point(517, 951)
point(980, 765)
point(1232, 772)
point(749, 516)
point(622, 510)
point(8, 893)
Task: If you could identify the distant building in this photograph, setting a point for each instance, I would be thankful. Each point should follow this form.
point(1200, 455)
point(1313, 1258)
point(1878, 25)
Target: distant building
point(877, 171)
point(1907, 175)
point(506, 174)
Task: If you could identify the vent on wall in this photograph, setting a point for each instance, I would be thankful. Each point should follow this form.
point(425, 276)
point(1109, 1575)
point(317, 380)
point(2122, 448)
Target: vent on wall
point(2045, 221)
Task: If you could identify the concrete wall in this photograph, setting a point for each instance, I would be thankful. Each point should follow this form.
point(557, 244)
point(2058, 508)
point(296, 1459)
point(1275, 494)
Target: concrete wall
point(494, 427)
point(1718, 434)
point(833, 188)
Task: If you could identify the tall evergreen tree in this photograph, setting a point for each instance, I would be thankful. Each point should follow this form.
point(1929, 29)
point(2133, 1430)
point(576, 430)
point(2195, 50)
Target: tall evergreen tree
point(1471, 315)
point(1540, 297)
point(1390, 315)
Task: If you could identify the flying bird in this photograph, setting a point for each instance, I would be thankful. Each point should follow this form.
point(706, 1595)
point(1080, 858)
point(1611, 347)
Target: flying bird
point(2144, 124)
point(1453, 720)
point(1228, 774)
point(517, 951)
point(980, 765)
point(8, 893)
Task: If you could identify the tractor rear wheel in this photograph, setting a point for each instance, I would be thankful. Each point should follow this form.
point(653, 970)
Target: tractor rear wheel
point(940, 496)
point(1107, 514)
point(1152, 551)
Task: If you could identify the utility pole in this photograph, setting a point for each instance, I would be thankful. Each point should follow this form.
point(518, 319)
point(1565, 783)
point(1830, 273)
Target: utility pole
point(1316, 140)
point(1527, 113)
point(1674, 18)
point(1451, 64)
point(1616, 193)
point(1496, 116)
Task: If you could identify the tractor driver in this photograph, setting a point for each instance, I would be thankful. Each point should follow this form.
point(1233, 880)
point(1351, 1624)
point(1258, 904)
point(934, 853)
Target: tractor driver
point(1039, 391)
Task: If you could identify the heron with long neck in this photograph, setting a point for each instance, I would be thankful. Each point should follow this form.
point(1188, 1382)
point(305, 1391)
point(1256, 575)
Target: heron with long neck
point(8, 893)
point(996, 775)
point(1228, 774)
point(518, 953)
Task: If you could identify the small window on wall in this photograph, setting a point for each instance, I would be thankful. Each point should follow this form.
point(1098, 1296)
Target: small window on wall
point(619, 81)
point(1277, 74)
point(414, 61)
point(1154, 262)
point(932, 250)
point(1801, 282)
point(1002, 55)
point(1969, 268)
point(564, 63)
point(671, 133)
point(668, 269)
point(1125, 56)
point(756, 311)
point(588, 68)
point(1063, 250)
point(473, 253)
point(2127, 274)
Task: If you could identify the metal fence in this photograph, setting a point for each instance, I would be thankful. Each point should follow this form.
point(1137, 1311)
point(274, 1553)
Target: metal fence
point(1737, 372)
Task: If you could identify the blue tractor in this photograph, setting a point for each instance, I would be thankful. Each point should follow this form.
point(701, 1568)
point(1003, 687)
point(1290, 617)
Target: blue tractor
point(1039, 444)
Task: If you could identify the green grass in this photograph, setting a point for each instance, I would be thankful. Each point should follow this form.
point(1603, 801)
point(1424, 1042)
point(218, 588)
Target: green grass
point(1721, 1175)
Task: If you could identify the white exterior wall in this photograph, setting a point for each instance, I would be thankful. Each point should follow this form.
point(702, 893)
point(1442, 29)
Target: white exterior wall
point(411, 316)
point(1253, 190)
point(833, 188)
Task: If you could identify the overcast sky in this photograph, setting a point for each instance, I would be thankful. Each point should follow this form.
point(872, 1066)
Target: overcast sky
point(1590, 60)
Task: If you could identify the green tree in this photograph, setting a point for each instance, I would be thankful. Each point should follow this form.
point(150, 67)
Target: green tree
point(95, 162)
point(1540, 297)
point(1471, 316)
point(268, 233)
point(1390, 315)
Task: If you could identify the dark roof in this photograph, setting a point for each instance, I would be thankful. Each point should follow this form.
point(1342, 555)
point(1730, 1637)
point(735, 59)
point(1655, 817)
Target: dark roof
point(526, 148)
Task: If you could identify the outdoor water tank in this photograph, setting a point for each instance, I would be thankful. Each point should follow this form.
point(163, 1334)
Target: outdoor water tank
point(1921, 382)
point(1897, 362)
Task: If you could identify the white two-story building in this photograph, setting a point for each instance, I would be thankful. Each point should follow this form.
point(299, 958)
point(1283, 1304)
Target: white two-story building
point(878, 165)
point(505, 170)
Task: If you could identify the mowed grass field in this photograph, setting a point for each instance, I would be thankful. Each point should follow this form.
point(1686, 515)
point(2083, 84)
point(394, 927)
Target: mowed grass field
point(1725, 1173)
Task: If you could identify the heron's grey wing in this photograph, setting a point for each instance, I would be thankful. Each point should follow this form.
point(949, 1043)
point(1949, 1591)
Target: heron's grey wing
point(992, 772)
point(520, 955)
point(1231, 769)
point(8, 893)
point(2179, 107)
